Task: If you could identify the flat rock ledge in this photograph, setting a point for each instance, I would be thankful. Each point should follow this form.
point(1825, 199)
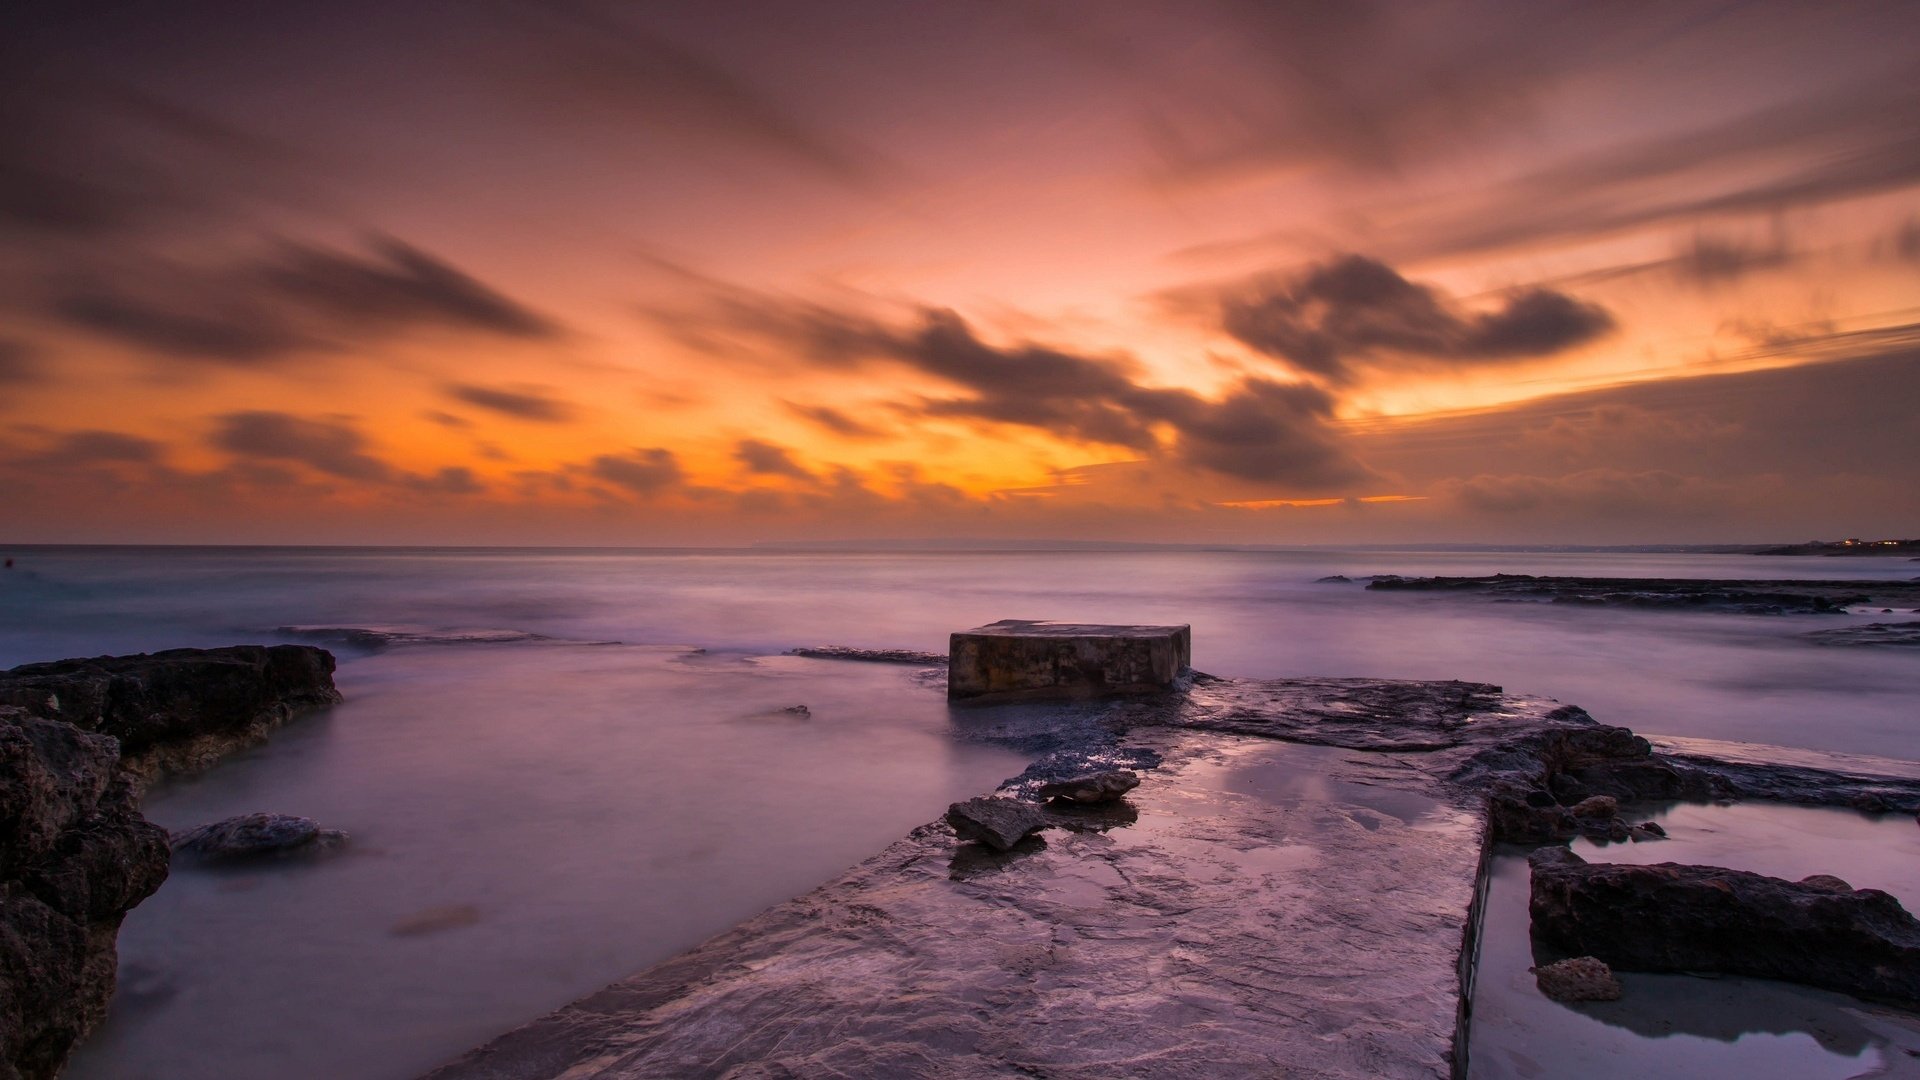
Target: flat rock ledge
point(1290, 891)
point(1745, 597)
point(180, 710)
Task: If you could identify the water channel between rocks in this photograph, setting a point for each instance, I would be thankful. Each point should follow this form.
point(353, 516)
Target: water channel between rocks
point(1668, 1025)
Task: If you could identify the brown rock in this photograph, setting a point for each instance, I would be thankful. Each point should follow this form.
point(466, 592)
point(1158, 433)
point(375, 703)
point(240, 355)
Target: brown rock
point(1582, 978)
point(1598, 807)
point(996, 822)
point(1102, 787)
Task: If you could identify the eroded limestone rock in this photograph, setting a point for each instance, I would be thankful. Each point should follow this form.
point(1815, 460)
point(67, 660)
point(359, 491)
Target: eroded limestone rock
point(1101, 787)
point(1582, 978)
point(1674, 917)
point(178, 710)
point(254, 836)
point(999, 823)
point(75, 856)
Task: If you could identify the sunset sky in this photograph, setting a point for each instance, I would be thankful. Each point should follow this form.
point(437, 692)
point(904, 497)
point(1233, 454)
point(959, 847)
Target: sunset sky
point(1209, 271)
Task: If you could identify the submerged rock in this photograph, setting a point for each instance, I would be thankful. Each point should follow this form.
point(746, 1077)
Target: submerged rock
point(1672, 917)
point(252, 836)
point(75, 856)
point(1102, 787)
point(1582, 978)
point(876, 656)
point(1880, 633)
point(178, 710)
point(999, 823)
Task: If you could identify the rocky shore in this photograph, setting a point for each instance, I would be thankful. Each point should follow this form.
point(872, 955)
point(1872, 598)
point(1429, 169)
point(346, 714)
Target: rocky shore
point(1755, 597)
point(1239, 877)
point(1291, 889)
point(78, 739)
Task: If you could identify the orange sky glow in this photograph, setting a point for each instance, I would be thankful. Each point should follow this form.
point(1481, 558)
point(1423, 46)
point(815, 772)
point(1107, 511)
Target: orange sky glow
point(1216, 272)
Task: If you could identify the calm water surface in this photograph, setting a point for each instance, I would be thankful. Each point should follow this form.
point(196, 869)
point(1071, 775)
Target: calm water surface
point(532, 820)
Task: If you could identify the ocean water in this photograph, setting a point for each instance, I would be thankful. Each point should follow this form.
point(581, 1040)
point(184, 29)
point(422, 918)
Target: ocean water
point(534, 818)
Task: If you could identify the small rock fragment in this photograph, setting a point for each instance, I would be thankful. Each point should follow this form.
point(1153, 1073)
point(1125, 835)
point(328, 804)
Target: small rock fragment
point(435, 919)
point(997, 822)
point(256, 835)
point(1827, 882)
point(1582, 978)
point(1599, 806)
point(1101, 787)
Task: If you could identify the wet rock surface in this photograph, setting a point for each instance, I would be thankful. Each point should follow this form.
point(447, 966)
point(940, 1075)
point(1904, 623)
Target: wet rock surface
point(1581, 978)
point(181, 709)
point(1286, 894)
point(1092, 788)
point(996, 822)
point(256, 836)
point(377, 638)
point(1674, 917)
point(1900, 634)
point(75, 856)
point(876, 656)
point(1757, 597)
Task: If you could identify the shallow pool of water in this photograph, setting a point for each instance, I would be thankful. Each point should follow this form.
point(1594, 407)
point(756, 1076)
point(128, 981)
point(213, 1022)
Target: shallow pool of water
point(1691, 1026)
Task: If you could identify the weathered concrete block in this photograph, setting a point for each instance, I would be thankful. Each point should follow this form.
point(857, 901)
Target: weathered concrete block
point(1016, 659)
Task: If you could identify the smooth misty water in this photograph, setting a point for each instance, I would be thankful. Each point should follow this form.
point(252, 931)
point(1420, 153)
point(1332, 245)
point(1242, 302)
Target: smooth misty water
point(1688, 1026)
point(532, 820)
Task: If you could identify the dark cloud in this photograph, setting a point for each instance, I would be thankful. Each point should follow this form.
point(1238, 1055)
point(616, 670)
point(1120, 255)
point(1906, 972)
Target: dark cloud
point(1592, 492)
point(396, 283)
point(643, 471)
point(452, 480)
point(220, 330)
point(835, 420)
point(1355, 313)
point(297, 300)
point(19, 362)
point(599, 64)
point(526, 403)
point(97, 448)
point(1906, 241)
point(1260, 430)
point(1860, 139)
point(768, 459)
point(330, 446)
point(1711, 260)
point(446, 419)
point(1372, 87)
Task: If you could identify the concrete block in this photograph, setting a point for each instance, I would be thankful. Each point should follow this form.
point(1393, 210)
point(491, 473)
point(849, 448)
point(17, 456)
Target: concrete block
point(1017, 659)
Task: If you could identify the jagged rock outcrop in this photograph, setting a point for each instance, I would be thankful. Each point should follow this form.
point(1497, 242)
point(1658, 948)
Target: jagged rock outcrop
point(181, 709)
point(77, 737)
point(254, 836)
point(1673, 917)
point(75, 855)
point(1093, 788)
point(996, 822)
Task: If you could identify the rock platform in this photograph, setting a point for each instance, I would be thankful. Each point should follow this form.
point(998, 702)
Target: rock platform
point(1290, 891)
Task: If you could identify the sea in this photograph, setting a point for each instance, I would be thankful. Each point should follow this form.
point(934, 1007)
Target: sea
point(581, 762)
